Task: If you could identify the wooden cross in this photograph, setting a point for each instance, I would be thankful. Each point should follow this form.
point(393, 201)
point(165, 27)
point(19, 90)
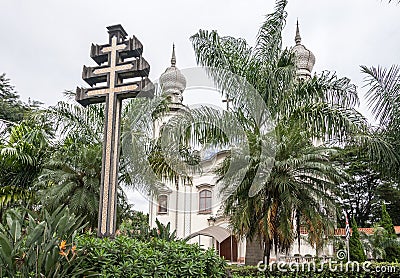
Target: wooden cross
point(117, 61)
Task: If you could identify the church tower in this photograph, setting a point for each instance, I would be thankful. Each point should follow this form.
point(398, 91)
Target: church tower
point(168, 206)
point(305, 59)
point(172, 84)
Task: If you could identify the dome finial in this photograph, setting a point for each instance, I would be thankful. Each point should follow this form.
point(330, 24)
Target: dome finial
point(173, 82)
point(305, 59)
point(297, 39)
point(173, 59)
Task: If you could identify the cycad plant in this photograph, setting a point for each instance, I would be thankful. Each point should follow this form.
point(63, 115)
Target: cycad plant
point(71, 177)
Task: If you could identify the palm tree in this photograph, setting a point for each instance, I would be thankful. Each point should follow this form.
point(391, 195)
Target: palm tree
point(300, 187)
point(22, 155)
point(72, 173)
point(72, 178)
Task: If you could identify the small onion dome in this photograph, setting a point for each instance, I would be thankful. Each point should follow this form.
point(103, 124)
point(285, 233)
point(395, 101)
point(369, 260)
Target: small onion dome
point(172, 81)
point(305, 59)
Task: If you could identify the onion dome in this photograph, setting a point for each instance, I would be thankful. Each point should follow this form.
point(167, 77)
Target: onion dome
point(173, 82)
point(305, 59)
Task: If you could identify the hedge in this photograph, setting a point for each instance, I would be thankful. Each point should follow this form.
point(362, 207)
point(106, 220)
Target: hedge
point(390, 270)
point(129, 257)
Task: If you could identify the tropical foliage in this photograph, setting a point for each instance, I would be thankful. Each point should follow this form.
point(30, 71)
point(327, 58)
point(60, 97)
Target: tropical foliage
point(49, 245)
point(39, 245)
point(320, 109)
point(22, 156)
point(366, 188)
point(127, 257)
point(357, 252)
point(297, 148)
point(12, 109)
point(383, 98)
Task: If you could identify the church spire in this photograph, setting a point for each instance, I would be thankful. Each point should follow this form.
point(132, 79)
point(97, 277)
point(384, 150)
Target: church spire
point(297, 39)
point(173, 82)
point(305, 59)
point(173, 59)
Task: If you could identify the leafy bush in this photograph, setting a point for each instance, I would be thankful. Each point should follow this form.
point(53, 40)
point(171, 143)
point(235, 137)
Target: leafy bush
point(129, 257)
point(135, 225)
point(143, 232)
point(392, 253)
point(39, 245)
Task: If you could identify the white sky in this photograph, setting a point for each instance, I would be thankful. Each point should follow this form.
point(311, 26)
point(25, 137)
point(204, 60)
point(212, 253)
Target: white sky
point(45, 43)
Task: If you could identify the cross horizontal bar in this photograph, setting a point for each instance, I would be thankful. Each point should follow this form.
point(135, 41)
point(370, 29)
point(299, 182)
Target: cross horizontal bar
point(136, 68)
point(133, 48)
point(142, 88)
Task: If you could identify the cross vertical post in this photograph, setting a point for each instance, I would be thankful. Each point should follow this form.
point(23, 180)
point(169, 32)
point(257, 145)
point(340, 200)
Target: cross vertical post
point(117, 61)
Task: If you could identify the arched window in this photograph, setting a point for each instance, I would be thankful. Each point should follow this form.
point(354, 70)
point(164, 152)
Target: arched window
point(163, 204)
point(205, 198)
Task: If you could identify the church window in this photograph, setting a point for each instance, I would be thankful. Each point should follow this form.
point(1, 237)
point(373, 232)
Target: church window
point(163, 204)
point(205, 198)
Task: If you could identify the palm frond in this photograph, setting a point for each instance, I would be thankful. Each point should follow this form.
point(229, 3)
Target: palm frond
point(269, 38)
point(383, 95)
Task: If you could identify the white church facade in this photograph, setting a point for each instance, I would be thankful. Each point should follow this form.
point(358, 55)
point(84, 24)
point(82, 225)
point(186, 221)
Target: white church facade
point(195, 210)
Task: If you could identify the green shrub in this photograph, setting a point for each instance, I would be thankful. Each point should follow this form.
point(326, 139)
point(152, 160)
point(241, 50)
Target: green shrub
point(392, 253)
point(356, 248)
point(129, 257)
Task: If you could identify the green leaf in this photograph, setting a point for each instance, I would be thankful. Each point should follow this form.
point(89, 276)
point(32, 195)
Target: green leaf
point(35, 235)
point(5, 250)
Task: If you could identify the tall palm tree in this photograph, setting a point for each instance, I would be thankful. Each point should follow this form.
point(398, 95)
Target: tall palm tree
point(301, 184)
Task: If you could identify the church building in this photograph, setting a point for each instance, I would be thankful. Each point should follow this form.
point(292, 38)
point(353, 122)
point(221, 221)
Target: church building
point(195, 210)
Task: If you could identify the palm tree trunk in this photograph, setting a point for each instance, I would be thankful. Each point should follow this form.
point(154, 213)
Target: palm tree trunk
point(298, 230)
point(267, 254)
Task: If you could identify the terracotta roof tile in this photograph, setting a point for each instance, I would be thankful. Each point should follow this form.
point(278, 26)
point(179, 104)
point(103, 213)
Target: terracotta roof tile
point(368, 231)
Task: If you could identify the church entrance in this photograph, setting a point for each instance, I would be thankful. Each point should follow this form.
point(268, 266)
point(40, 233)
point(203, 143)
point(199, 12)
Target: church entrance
point(228, 249)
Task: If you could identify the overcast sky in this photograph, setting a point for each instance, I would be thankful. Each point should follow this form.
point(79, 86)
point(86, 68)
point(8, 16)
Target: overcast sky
point(45, 43)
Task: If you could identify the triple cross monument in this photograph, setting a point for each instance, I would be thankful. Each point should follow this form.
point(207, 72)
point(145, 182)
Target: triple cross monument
point(117, 61)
